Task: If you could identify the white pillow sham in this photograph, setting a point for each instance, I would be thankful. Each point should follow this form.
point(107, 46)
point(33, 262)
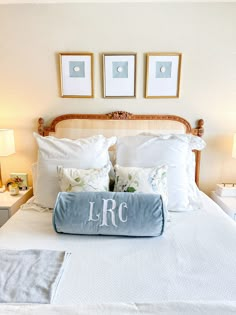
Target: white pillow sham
point(77, 180)
point(141, 180)
point(83, 153)
point(34, 168)
point(173, 150)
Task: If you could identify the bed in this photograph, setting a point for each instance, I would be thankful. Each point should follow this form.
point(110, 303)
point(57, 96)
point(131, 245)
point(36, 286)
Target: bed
point(190, 269)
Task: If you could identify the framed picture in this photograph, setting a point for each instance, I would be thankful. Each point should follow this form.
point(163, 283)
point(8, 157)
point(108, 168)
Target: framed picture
point(21, 179)
point(163, 75)
point(119, 75)
point(76, 72)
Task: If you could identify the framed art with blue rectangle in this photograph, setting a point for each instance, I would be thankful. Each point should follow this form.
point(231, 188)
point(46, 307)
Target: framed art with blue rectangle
point(119, 75)
point(76, 71)
point(163, 75)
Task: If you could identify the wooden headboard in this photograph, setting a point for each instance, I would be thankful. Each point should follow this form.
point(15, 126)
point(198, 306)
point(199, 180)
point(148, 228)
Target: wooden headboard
point(120, 123)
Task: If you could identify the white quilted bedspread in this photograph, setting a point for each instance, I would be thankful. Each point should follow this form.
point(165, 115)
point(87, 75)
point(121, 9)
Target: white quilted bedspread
point(162, 308)
point(194, 260)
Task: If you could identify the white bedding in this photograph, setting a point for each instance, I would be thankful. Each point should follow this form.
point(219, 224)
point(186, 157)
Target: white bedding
point(162, 308)
point(194, 260)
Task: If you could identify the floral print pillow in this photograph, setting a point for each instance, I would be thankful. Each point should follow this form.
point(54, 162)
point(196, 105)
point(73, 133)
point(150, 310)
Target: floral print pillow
point(145, 180)
point(77, 180)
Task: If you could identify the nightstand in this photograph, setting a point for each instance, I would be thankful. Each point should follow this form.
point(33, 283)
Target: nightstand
point(228, 204)
point(10, 204)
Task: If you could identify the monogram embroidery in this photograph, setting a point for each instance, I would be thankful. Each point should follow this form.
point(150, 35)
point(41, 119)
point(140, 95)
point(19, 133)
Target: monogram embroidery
point(109, 210)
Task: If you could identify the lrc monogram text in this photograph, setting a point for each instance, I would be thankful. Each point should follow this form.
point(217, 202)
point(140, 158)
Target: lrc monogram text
point(112, 211)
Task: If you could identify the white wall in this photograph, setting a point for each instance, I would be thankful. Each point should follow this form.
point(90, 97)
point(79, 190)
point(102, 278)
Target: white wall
point(31, 36)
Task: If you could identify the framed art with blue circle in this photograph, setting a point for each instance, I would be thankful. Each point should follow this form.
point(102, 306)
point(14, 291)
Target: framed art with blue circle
point(76, 72)
point(163, 75)
point(119, 75)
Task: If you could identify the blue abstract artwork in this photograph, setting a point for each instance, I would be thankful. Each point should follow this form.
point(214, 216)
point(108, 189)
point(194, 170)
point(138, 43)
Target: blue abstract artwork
point(163, 69)
point(77, 69)
point(119, 69)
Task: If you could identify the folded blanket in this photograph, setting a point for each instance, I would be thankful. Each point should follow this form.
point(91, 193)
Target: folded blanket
point(30, 276)
point(109, 213)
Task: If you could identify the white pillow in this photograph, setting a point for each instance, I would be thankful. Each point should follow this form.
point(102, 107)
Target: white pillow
point(34, 168)
point(144, 180)
point(84, 153)
point(76, 180)
point(171, 150)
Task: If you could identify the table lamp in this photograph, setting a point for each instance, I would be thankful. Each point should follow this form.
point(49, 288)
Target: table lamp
point(234, 147)
point(7, 147)
point(228, 189)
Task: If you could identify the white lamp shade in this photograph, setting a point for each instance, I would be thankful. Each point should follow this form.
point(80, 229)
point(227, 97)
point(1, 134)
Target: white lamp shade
point(7, 143)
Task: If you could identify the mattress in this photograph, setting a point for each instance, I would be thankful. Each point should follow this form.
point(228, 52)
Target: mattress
point(193, 260)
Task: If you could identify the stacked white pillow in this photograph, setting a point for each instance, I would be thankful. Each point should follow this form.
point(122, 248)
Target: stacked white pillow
point(173, 150)
point(83, 153)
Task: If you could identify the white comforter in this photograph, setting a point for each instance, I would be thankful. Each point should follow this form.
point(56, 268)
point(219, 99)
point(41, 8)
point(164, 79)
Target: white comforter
point(162, 308)
point(194, 260)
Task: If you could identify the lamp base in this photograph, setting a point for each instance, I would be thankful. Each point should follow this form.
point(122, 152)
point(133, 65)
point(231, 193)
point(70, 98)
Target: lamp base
point(2, 189)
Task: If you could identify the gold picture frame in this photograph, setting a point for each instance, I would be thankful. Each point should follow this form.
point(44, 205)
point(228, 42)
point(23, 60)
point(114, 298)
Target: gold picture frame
point(76, 74)
point(163, 75)
point(119, 75)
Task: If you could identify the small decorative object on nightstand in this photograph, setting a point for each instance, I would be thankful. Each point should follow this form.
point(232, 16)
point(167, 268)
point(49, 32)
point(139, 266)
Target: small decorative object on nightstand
point(21, 179)
point(14, 189)
point(226, 190)
point(228, 204)
point(10, 204)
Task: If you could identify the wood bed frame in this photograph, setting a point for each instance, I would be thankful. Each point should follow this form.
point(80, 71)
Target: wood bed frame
point(126, 116)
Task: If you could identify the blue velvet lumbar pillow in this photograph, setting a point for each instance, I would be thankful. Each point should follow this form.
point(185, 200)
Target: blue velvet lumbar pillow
point(109, 213)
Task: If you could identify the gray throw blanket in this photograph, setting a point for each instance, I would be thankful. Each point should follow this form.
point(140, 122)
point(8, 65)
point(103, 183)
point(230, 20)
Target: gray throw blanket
point(30, 276)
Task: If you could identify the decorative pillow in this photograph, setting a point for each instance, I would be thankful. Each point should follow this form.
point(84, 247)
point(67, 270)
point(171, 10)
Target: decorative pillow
point(144, 180)
point(75, 180)
point(83, 153)
point(171, 150)
point(109, 213)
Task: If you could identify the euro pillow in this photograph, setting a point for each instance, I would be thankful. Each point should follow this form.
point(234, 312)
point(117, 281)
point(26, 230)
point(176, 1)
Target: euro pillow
point(109, 213)
point(172, 150)
point(76, 180)
point(144, 180)
point(91, 152)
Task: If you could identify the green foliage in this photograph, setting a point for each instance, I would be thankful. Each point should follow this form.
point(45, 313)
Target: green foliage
point(130, 189)
point(69, 188)
point(79, 181)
